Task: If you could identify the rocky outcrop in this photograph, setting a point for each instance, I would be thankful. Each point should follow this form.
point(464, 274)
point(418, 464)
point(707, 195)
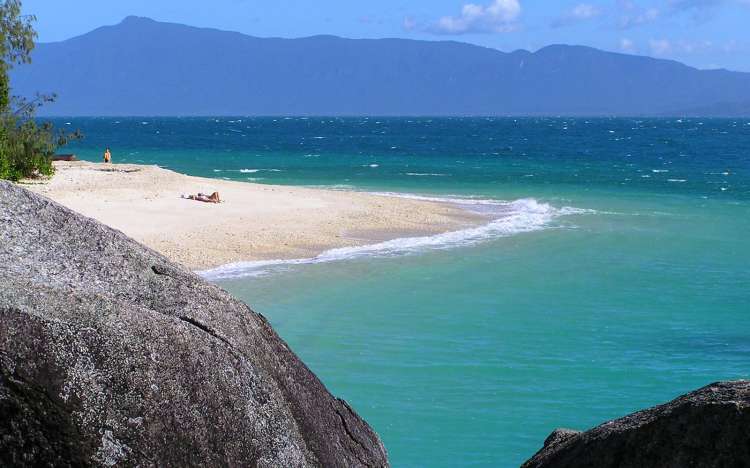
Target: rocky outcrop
point(110, 354)
point(707, 428)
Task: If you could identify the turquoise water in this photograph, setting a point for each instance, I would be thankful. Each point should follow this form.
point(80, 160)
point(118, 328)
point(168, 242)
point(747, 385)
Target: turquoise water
point(619, 281)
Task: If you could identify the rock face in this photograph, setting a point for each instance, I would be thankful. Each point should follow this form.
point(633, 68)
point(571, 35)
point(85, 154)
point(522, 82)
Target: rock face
point(709, 427)
point(112, 355)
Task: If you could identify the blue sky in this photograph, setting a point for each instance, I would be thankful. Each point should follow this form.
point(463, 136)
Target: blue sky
point(701, 33)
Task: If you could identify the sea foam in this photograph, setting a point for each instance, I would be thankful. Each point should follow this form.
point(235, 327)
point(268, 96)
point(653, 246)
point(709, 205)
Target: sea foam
point(508, 218)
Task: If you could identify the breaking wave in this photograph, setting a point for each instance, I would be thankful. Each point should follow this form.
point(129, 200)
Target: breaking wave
point(507, 218)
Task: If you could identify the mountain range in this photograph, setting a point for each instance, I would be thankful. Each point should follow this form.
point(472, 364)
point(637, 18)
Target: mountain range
point(147, 68)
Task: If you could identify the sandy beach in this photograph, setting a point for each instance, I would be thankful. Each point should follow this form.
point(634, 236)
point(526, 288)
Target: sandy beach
point(253, 222)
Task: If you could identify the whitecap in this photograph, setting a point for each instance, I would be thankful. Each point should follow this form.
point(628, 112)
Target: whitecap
point(515, 217)
point(252, 171)
point(455, 199)
point(335, 187)
point(426, 174)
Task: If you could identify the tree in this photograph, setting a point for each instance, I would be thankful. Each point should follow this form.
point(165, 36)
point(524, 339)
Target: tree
point(17, 41)
point(26, 147)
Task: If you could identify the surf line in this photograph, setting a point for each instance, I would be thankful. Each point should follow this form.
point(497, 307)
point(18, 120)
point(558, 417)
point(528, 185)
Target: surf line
point(507, 218)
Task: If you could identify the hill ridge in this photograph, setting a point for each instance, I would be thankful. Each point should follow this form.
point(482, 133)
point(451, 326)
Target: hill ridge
point(145, 67)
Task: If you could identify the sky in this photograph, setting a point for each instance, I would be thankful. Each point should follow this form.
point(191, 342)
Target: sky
point(700, 33)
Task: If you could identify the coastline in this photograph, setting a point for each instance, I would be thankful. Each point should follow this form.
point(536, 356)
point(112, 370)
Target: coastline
point(255, 222)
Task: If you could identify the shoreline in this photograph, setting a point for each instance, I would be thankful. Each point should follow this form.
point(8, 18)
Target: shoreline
point(255, 222)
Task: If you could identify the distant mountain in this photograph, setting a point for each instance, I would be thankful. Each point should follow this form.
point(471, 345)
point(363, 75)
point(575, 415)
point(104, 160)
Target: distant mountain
point(721, 109)
point(144, 67)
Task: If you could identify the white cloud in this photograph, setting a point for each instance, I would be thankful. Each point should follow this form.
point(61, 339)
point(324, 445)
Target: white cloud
point(699, 10)
point(676, 47)
point(498, 16)
point(692, 47)
point(683, 5)
point(731, 46)
point(641, 18)
point(627, 46)
point(580, 12)
point(632, 15)
point(585, 11)
point(409, 23)
point(660, 47)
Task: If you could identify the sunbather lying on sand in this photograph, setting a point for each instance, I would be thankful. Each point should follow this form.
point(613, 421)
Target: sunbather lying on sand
point(213, 198)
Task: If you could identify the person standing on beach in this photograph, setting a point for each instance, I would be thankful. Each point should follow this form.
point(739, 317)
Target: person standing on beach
point(107, 156)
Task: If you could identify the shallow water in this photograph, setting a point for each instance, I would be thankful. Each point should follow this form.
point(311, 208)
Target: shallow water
point(621, 283)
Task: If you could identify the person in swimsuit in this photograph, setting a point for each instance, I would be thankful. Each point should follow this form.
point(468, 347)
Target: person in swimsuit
point(107, 156)
point(213, 198)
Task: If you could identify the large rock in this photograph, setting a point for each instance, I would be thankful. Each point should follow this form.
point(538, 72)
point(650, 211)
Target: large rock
point(110, 354)
point(709, 427)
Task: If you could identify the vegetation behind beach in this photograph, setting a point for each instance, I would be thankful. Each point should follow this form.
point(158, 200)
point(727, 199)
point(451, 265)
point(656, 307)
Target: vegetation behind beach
point(26, 146)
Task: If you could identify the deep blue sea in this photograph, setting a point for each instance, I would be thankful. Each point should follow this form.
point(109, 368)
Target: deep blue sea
point(615, 276)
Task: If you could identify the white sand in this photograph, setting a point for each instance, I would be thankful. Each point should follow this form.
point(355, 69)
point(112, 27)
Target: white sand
point(255, 221)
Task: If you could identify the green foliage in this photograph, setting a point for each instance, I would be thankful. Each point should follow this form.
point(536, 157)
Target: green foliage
point(26, 147)
point(24, 152)
point(16, 43)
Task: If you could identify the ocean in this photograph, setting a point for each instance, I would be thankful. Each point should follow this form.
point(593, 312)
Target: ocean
point(614, 274)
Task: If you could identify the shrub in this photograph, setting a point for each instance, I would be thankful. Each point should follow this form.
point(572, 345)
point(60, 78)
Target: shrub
point(26, 149)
